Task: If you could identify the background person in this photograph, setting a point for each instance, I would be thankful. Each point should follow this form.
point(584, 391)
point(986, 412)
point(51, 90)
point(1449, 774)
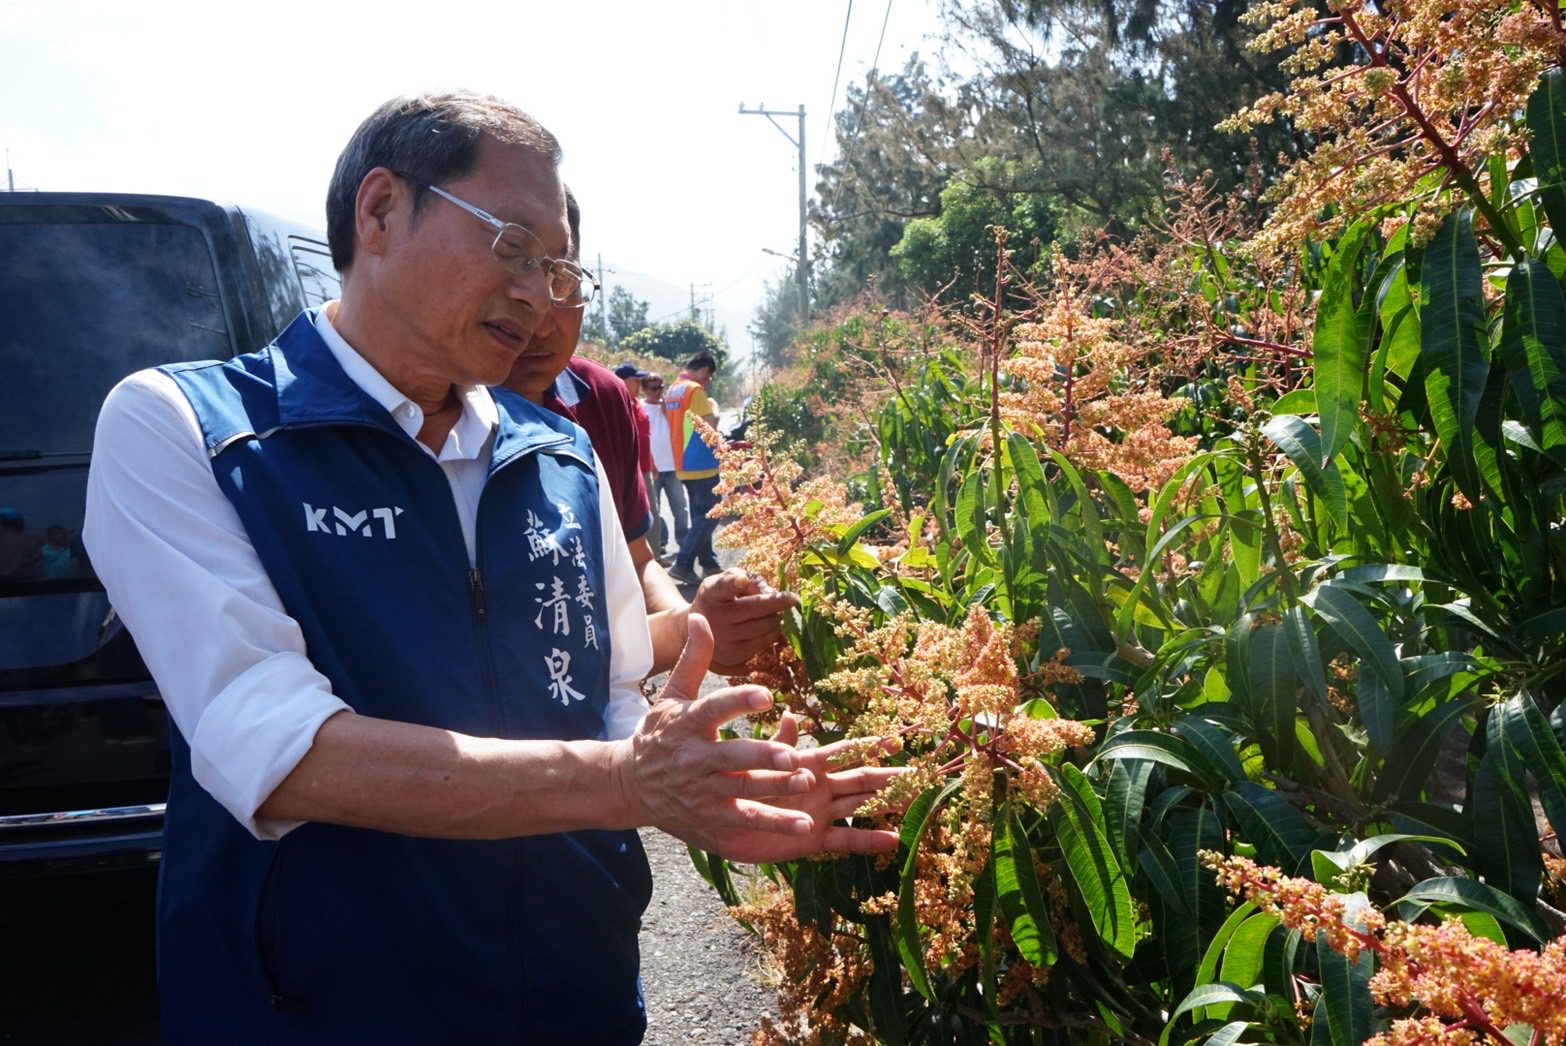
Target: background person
point(695, 464)
point(663, 485)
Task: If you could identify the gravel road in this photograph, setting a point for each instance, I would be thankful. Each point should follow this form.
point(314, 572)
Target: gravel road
point(701, 973)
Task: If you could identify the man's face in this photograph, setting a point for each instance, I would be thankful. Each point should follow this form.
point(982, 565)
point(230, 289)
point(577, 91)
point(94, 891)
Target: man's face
point(546, 353)
point(467, 318)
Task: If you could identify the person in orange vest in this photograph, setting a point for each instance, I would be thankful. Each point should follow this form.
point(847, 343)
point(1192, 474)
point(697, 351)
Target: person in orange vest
point(695, 464)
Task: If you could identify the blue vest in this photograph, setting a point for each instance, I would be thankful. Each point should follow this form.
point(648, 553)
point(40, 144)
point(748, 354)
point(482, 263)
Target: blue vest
point(344, 935)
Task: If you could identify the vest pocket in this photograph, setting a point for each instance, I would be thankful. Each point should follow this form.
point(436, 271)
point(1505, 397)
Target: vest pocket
point(269, 930)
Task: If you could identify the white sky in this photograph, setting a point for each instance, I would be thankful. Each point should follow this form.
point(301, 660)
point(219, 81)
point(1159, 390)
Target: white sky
point(251, 102)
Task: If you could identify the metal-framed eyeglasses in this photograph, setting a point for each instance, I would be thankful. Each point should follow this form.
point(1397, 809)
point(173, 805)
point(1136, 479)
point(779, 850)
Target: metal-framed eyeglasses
point(520, 252)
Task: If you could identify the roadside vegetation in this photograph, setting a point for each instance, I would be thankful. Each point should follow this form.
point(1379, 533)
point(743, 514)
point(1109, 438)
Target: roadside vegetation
point(1198, 539)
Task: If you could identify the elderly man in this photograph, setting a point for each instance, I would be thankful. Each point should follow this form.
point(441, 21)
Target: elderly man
point(742, 611)
point(399, 636)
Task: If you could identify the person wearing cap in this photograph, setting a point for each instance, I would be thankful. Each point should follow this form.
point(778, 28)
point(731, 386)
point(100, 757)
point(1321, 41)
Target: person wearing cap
point(401, 643)
point(633, 376)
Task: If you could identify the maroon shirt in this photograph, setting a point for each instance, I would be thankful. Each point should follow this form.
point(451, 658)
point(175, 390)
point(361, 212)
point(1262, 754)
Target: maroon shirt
point(589, 394)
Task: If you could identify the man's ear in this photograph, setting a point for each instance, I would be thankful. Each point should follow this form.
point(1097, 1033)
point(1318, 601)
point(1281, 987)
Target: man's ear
point(380, 195)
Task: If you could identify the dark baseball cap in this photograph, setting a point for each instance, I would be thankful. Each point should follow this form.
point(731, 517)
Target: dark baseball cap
point(631, 370)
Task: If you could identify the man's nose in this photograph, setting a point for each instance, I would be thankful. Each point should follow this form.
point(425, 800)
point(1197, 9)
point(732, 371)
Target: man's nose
point(544, 322)
point(532, 289)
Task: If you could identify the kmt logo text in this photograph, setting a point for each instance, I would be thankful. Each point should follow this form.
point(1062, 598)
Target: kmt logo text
point(344, 523)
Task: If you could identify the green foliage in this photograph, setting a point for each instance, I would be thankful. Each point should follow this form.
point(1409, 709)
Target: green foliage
point(1284, 650)
point(676, 342)
point(627, 314)
point(955, 251)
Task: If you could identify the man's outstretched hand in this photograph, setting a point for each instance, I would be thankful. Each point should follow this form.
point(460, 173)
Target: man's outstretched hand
point(745, 616)
point(748, 800)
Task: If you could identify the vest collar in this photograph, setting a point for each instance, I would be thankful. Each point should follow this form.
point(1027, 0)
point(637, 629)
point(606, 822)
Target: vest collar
point(313, 389)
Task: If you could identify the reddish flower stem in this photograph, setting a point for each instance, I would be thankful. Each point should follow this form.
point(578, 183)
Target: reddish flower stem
point(1446, 150)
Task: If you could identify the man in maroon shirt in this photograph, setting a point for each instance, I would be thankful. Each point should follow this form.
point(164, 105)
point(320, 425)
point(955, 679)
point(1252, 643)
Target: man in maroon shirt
point(744, 611)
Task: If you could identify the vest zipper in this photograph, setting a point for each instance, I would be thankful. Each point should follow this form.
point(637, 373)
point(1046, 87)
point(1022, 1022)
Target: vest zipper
point(476, 588)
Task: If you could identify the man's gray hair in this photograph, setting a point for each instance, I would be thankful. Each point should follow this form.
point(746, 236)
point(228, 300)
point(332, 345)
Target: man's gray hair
point(431, 138)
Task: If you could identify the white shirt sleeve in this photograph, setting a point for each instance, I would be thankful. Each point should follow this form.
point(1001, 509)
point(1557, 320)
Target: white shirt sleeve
point(174, 558)
point(630, 643)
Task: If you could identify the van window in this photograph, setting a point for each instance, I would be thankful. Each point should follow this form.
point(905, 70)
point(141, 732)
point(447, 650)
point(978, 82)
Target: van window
point(316, 275)
point(81, 306)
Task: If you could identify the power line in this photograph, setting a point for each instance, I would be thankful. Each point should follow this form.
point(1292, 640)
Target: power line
point(842, 48)
point(875, 65)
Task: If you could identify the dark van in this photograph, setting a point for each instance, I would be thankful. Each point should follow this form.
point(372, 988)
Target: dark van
point(94, 286)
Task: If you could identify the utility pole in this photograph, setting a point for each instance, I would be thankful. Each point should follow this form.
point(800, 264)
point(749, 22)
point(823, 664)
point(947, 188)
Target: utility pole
point(697, 303)
point(603, 295)
point(802, 269)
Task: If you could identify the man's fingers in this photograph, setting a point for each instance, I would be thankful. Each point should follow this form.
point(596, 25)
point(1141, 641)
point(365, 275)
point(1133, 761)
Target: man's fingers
point(685, 679)
point(771, 784)
point(864, 779)
point(859, 840)
point(756, 631)
point(713, 710)
point(787, 732)
point(762, 817)
point(729, 585)
point(741, 754)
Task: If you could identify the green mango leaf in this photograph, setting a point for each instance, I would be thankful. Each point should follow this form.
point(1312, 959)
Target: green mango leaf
point(1533, 349)
point(1160, 747)
point(1124, 797)
point(1017, 890)
point(1214, 993)
point(1339, 346)
point(1277, 830)
point(1455, 346)
point(1468, 893)
point(1414, 750)
point(1526, 728)
point(1345, 989)
point(1399, 317)
point(1355, 625)
point(1308, 663)
point(1245, 520)
point(1329, 864)
point(886, 994)
point(1506, 838)
point(1272, 693)
point(1547, 143)
point(984, 927)
point(1301, 444)
point(1078, 819)
point(851, 535)
point(1375, 709)
point(1217, 746)
point(1229, 1034)
point(1208, 970)
point(916, 821)
point(1246, 955)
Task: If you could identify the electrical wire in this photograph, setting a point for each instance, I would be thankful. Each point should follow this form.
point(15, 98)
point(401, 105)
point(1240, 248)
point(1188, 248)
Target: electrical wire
point(842, 49)
point(875, 66)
